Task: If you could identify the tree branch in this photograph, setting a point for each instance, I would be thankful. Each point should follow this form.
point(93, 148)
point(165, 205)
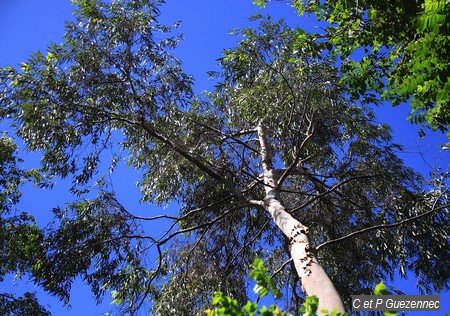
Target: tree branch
point(383, 226)
point(198, 163)
point(330, 190)
point(225, 136)
point(189, 229)
point(281, 267)
point(286, 173)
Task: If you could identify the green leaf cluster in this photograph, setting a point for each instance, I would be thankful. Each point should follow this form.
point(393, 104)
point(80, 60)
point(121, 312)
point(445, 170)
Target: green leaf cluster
point(225, 305)
point(260, 3)
point(21, 240)
point(264, 283)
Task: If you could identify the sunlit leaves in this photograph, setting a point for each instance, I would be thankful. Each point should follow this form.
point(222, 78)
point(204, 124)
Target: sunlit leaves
point(309, 308)
point(397, 38)
point(264, 283)
point(434, 16)
point(225, 305)
point(382, 289)
point(260, 3)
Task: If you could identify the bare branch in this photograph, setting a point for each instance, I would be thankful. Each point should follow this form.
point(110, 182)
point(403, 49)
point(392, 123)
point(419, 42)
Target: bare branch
point(297, 159)
point(284, 264)
point(383, 226)
point(249, 243)
point(331, 189)
point(225, 136)
point(149, 282)
point(192, 228)
point(241, 132)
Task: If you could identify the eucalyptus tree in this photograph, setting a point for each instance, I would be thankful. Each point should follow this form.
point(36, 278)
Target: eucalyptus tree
point(275, 157)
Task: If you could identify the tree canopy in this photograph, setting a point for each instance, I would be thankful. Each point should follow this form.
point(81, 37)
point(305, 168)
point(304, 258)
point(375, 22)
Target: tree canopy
point(398, 49)
point(279, 162)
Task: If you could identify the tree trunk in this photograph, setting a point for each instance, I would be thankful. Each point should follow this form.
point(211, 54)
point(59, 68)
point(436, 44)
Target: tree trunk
point(313, 277)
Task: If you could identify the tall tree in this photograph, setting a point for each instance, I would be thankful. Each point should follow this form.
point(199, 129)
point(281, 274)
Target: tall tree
point(275, 157)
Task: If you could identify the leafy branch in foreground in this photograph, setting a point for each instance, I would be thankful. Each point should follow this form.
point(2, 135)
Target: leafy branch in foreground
point(225, 305)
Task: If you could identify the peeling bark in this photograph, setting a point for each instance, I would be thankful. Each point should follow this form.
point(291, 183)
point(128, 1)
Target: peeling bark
point(313, 277)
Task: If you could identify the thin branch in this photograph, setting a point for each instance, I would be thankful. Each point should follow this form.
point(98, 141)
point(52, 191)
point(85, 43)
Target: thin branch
point(225, 136)
point(197, 243)
point(149, 282)
point(383, 226)
point(330, 190)
point(281, 268)
point(297, 159)
point(189, 229)
point(241, 132)
point(249, 243)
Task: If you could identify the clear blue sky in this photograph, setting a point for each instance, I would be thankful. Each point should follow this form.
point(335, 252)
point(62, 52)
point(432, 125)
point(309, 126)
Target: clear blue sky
point(30, 25)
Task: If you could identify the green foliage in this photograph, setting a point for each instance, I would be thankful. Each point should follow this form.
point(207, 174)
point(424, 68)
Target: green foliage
point(226, 305)
point(10, 174)
point(309, 308)
point(25, 305)
point(381, 289)
point(424, 74)
point(264, 283)
point(20, 238)
point(260, 3)
point(262, 82)
point(398, 49)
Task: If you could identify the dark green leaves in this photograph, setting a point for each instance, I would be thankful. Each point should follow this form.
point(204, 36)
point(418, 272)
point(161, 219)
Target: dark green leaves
point(25, 305)
point(92, 240)
point(21, 240)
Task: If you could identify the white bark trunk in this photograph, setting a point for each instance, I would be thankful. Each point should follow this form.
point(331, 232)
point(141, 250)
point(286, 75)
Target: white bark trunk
point(314, 279)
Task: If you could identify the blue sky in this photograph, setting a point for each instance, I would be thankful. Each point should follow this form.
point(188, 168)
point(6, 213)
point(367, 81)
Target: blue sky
point(30, 25)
